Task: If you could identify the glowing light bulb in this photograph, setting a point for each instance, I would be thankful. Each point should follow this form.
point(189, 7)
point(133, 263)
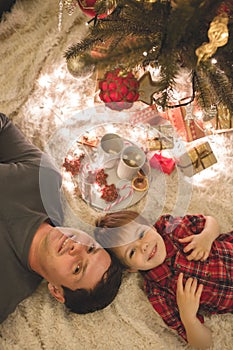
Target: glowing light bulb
point(214, 61)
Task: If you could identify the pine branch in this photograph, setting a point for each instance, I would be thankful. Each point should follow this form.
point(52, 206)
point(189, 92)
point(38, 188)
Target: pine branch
point(169, 36)
point(219, 84)
point(201, 86)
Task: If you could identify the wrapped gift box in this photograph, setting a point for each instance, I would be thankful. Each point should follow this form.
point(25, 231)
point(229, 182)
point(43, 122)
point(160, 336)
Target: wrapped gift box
point(224, 119)
point(160, 137)
point(189, 129)
point(158, 144)
point(197, 159)
point(164, 164)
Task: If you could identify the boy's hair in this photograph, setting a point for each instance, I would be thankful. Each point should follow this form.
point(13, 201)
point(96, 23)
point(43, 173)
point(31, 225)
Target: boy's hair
point(83, 301)
point(108, 231)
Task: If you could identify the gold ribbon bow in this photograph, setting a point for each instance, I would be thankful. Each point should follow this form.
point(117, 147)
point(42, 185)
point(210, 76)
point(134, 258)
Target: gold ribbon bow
point(218, 36)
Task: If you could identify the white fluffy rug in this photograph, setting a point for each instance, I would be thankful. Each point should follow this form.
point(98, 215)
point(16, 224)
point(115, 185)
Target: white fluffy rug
point(51, 107)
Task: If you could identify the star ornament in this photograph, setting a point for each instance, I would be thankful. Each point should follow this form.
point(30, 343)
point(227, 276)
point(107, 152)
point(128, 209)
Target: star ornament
point(147, 88)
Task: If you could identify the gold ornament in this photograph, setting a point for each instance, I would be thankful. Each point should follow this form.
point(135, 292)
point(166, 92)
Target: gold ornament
point(224, 118)
point(218, 36)
point(78, 69)
point(147, 88)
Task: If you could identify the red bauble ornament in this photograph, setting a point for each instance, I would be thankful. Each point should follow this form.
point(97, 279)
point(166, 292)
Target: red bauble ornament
point(88, 7)
point(118, 89)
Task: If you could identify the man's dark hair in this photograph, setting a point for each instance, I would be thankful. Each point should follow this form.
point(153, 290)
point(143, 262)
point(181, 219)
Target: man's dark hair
point(83, 301)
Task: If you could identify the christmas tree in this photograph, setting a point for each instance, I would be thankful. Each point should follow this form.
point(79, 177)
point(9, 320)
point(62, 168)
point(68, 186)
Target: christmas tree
point(171, 37)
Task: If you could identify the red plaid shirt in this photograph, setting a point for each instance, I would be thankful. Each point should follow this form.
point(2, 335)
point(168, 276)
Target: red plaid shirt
point(216, 273)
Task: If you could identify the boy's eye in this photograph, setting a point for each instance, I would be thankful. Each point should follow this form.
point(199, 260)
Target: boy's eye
point(131, 253)
point(77, 269)
point(141, 235)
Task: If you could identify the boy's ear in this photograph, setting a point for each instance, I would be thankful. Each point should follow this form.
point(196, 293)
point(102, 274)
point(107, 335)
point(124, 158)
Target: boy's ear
point(56, 292)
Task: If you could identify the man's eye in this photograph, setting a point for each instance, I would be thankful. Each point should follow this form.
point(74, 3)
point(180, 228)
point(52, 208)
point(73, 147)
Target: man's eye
point(91, 248)
point(77, 269)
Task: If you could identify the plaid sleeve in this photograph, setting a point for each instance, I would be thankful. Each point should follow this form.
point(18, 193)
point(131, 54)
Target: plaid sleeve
point(165, 305)
point(226, 237)
point(180, 226)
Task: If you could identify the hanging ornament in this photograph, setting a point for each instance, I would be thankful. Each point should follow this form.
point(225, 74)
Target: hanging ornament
point(78, 68)
point(226, 7)
point(224, 119)
point(119, 89)
point(147, 88)
point(88, 7)
point(218, 36)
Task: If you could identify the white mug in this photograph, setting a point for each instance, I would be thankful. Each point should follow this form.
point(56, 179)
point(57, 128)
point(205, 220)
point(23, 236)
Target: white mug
point(110, 148)
point(132, 159)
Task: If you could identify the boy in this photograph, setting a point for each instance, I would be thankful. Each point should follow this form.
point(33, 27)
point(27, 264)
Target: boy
point(187, 266)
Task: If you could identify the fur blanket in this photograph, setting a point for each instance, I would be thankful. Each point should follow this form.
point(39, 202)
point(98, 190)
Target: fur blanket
point(46, 102)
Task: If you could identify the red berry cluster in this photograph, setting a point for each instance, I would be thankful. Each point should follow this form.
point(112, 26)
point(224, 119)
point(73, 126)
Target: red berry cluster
point(73, 165)
point(119, 90)
point(109, 193)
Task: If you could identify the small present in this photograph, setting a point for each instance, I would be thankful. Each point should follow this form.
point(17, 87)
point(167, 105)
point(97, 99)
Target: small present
point(159, 143)
point(160, 137)
point(164, 164)
point(166, 129)
point(224, 119)
point(197, 159)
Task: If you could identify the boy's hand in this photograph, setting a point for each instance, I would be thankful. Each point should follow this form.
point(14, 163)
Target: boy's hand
point(200, 246)
point(188, 298)
point(201, 243)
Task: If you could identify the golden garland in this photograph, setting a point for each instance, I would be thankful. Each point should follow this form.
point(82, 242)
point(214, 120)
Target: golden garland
point(218, 36)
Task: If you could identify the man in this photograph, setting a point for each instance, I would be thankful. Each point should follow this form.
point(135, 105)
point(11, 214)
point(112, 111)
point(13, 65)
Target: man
point(5, 5)
point(80, 273)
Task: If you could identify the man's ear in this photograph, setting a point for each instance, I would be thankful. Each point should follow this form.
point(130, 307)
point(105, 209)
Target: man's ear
point(56, 292)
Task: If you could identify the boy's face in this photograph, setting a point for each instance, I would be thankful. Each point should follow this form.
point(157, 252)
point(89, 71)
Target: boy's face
point(145, 250)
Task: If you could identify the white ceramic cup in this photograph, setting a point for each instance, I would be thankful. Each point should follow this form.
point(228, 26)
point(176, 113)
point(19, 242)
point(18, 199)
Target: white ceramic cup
point(110, 148)
point(132, 159)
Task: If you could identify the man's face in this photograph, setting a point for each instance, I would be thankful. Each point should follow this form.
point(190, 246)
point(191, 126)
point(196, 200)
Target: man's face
point(72, 261)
